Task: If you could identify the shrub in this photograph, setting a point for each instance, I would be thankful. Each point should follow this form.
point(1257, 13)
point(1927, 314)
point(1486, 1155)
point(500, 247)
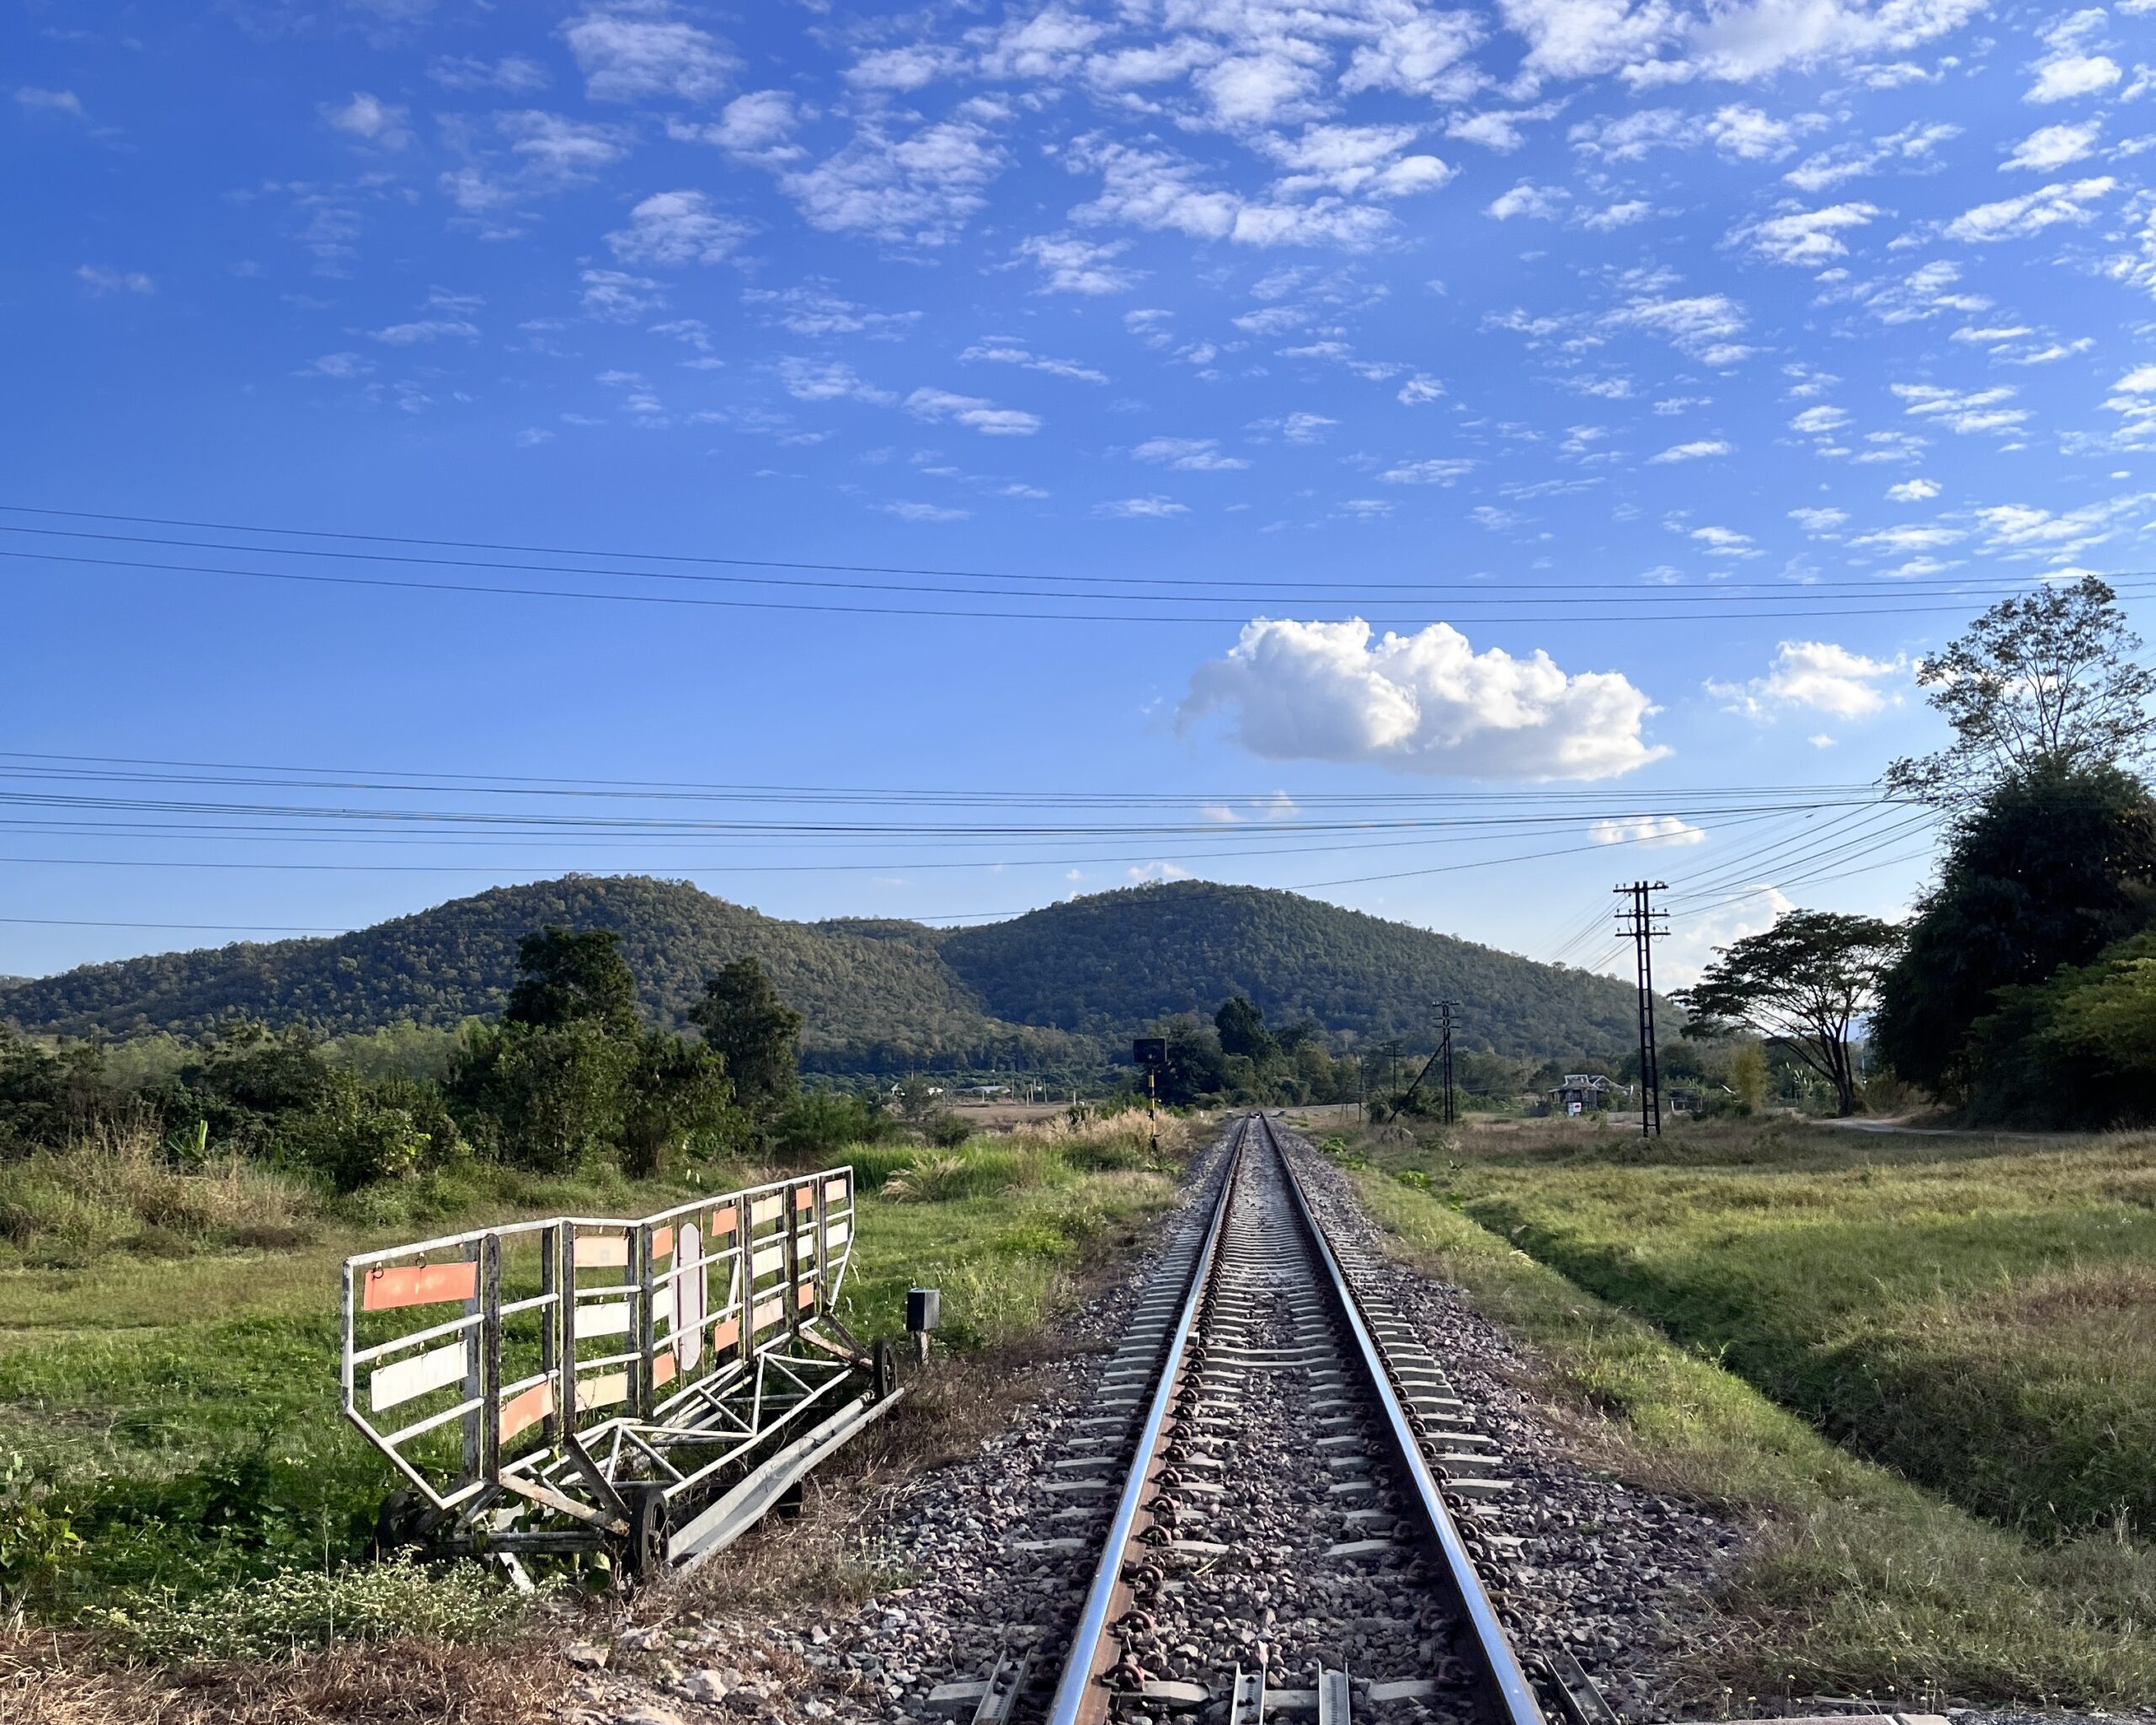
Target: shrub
point(273, 1616)
point(947, 1131)
point(928, 1179)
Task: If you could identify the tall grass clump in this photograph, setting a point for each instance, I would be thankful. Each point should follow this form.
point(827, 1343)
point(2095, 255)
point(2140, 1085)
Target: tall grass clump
point(120, 1187)
point(274, 1617)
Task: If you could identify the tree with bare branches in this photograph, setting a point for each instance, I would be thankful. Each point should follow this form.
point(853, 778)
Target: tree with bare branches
point(2047, 683)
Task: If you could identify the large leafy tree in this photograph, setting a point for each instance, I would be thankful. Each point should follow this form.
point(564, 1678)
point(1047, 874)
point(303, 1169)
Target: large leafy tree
point(674, 1087)
point(573, 976)
point(1242, 1030)
point(2049, 869)
point(2048, 682)
point(1802, 985)
point(755, 1031)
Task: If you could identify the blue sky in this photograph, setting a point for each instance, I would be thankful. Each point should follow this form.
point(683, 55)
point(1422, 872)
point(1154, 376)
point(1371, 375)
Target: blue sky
point(1595, 405)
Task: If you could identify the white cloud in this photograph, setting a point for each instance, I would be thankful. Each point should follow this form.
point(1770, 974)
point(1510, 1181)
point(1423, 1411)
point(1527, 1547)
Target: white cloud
point(1442, 471)
point(757, 124)
point(985, 417)
point(1706, 326)
point(1152, 189)
point(1306, 428)
point(1142, 874)
point(677, 227)
point(1005, 351)
point(925, 512)
point(1540, 202)
point(343, 366)
point(1416, 52)
point(102, 279)
point(828, 380)
point(1964, 411)
point(426, 329)
point(1913, 491)
point(1425, 703)
point(1354, 161)
point(1154, 508)
point(922, 187)
point(49, 101)
point(1698, 450)
point(1806, 238)
point(1821, 522)
point(1418, 389)
point(2053, 147)
point(2017, 218)
point(368, 118)
point(1656, 42)
point(2069, 71)
point(1497, 129)
point(631, 53)
point(1725, 541)
point(513, 73)
point(1189, 455)
point(1652, 831)
point(1915, 142)
point(1069, 265)
point(1684, 958)
point(1817, 676)
point(1819, 421)
point(619, 297)
point(1615, 215)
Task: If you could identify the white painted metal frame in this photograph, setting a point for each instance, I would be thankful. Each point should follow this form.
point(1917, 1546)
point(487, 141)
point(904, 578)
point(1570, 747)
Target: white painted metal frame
point(585, 1352)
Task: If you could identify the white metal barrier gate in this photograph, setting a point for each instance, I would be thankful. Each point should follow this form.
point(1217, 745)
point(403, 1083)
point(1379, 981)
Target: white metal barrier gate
point(558, 1384)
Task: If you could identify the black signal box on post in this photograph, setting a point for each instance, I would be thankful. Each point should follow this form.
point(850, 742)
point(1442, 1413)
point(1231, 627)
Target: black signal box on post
point(1150, 1052)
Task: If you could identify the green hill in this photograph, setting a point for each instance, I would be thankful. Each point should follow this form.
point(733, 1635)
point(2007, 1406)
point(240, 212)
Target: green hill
point(1060, 987)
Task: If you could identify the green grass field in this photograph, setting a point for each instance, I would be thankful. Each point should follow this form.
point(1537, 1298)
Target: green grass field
point(1978, 1314)
point(181, 1409)
point(1857, 1583)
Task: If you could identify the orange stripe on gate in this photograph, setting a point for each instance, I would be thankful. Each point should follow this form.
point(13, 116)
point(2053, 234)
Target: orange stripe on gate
point(418, 1285)
point(805, 1294)
point(725, 1333)
point(662, 1369)
point(662, 1243)
point(804, 1198)
point(527, 1409)
point(725, 1222)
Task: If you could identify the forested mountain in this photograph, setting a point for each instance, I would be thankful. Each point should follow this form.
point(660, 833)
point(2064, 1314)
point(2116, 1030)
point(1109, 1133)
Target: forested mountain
point(1059, 987)
point(1098, 964)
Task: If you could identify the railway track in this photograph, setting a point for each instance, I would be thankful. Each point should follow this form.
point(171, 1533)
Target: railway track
point(1287, 1508)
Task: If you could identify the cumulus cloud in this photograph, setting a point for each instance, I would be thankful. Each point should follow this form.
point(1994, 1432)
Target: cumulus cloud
point(103, 279)
point(1425, 703)
point(1913, 491)
point(935, 405)
point(1965, 411)
point(2051, 147)
point(1540, 202)
point(1153, 508)
point(1654, 832)
point(921, 186)
point(1698, 450)
point(1916, 143)
point(677, 227)
point(631, 53)
point(1005, 351)
point(1189, 455)
point(1815, 676)
point(2017, 218)
point(828, 380)
point(1439, 471)
point(1806, 238)
point(1653, 42)
point(1155, 190)
point(368, 118)
point(1070, 266)
point(2070, 70)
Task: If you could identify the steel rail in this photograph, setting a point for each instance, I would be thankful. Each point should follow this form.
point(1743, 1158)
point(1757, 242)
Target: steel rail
point(1078, 1697)
point(1514, 1694)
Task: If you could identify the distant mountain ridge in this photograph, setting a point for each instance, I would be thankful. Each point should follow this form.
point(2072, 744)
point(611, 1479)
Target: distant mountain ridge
point(1059, 986)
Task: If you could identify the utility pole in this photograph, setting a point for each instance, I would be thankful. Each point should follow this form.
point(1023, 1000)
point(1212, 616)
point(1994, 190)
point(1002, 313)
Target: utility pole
point(1645, 925)
point(1446, 1023)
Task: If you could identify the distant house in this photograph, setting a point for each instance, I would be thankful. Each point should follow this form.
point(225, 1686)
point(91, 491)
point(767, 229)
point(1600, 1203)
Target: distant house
point(987, 1090)
point(1584, 1092)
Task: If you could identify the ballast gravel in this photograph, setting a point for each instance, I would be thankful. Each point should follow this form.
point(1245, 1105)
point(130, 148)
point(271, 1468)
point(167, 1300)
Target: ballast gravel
point(1612, 1573)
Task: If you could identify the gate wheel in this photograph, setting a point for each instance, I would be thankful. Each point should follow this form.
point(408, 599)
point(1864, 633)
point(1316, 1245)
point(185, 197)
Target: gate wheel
point(648, 1528)
point(883, 1369)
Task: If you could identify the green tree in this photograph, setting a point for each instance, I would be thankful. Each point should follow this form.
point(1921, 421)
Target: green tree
point(2050, 867)
point(2043, 684)
point(573, 976)
point(547, 1097)
point(1801, 985)
point(2077, 1050)
point(757, 1034)
point(1196, 1068)
point(1241, 1028)
point(1748, 1073)
point(674, 1089)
